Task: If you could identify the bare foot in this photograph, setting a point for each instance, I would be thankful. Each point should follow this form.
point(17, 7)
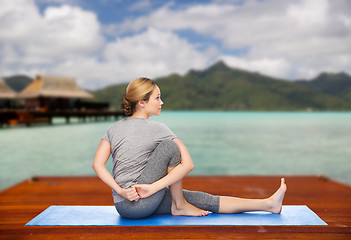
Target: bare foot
point(276, 200)
point(187, 210)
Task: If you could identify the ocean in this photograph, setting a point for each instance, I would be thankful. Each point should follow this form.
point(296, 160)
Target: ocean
point(220, 143)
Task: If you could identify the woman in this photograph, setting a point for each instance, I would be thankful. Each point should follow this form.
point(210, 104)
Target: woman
point(149, 163)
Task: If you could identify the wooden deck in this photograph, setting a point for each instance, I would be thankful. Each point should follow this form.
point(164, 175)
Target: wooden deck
point(329, 199)
point(15, 117)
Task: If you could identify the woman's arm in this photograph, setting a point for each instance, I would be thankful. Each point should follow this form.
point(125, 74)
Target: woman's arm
point(178, 173)
point(102, 154)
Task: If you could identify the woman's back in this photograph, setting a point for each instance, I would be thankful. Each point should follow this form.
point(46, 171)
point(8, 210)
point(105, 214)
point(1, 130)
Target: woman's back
point(132, 142)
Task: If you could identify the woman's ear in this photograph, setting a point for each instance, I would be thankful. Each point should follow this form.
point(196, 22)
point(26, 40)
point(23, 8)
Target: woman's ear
point(141, 103)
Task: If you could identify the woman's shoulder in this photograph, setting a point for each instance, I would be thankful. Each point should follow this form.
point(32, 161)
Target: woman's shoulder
point(137, 122)
point(117, 124)
point(161, 130)
point(158, 125)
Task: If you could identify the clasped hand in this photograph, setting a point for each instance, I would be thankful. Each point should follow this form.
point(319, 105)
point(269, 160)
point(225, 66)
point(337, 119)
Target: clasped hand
point(144, 190)
point(137, 191)
point(130, 194)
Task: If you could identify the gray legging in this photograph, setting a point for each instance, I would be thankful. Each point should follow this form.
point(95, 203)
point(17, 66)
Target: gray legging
point(165, 155)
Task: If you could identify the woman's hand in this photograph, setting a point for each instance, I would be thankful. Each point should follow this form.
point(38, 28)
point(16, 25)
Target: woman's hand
point(144, 190)
point(130, 194)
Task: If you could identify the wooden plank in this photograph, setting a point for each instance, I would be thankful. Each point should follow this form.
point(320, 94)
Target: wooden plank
point(329, 199)
point(28, 117)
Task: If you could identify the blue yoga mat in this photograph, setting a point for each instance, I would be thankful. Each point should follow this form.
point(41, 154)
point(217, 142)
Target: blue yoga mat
point(107, 216)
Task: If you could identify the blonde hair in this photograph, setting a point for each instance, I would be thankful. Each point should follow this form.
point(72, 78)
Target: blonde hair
point(138, 89)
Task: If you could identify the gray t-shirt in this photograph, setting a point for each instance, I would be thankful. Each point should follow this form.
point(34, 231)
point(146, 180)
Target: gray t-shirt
point(133, 140)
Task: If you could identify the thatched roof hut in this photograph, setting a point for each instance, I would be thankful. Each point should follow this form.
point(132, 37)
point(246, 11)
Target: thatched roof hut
point(57, 87)
point(5, 91)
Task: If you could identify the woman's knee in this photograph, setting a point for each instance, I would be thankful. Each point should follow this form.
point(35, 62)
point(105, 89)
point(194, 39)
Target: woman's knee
point(171, 148)
point(169, 144)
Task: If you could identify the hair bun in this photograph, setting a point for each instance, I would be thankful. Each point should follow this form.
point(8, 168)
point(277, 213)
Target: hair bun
point(127, 107)
point(138, 89)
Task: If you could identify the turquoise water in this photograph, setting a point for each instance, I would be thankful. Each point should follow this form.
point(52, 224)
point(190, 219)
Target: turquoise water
point(220, 143)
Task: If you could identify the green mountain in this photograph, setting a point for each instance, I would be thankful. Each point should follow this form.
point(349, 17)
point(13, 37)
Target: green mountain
point(338, 85)
point(222, 88)
point(18, 82)
point(112, 94)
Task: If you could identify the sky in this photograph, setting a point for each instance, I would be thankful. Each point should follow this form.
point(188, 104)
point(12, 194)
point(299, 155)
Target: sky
point(105, 42)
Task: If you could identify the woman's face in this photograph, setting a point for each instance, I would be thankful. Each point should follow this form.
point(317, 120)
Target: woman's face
point(153, 106)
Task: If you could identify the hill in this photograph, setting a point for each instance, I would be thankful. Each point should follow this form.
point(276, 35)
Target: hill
point(338, 85)
point(112, 94)
point(222, 88)
point(18, 82)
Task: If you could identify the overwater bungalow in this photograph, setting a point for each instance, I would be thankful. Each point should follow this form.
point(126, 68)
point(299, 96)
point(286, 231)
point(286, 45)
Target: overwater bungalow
point(48, 97)
point(55, 93)
point(7, 96)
